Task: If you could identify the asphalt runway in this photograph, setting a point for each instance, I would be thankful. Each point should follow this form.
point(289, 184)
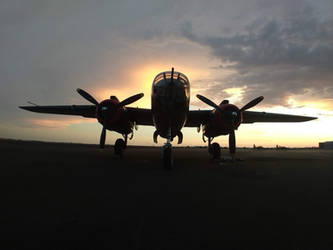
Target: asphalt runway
point(64, 196)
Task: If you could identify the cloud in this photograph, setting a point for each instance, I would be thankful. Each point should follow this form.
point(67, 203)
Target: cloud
point(275, 58)
point(54, 123)
point(265, 47)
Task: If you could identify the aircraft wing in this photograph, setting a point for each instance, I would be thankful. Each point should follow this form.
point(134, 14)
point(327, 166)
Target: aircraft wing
point(140, 116)
point(82, 110)
point(254, 116)
point(197, 117)
point(144, 116)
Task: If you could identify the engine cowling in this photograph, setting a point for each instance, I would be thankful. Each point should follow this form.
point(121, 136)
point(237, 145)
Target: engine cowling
point(108, 112)
point(230, 118)
point(225, 119)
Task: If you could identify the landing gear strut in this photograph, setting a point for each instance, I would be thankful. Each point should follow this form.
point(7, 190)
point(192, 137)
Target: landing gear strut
point(120, 146)
point(214, 149)
point(167, 159)
point(167, 156)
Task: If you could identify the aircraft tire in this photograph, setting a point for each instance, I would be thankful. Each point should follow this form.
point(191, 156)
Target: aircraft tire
point(119, 147)
point(216, 150)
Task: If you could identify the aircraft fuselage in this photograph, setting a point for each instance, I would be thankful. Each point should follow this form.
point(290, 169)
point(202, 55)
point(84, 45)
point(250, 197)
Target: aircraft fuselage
point(170, 100)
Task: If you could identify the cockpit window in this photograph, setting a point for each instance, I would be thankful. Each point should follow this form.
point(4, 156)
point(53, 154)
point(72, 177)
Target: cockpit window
point(176, 75)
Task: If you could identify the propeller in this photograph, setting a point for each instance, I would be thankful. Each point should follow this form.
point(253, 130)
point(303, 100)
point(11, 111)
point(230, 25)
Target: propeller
point(130, 100)
point(91, 99)
point(102, 139)
point(231, 116)
point(104, 109)
point(232, 142)
point(87, 96)
point(252, 103)
point(209, 102)
point(232, 137)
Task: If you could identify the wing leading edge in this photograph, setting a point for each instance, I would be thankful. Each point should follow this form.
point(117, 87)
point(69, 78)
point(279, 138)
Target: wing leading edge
point(138, 115)
point(254, 116)
point(82, 110)
point(197, 117)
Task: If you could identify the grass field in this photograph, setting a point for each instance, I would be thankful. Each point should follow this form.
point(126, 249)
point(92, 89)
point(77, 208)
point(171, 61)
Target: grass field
point(63, 196)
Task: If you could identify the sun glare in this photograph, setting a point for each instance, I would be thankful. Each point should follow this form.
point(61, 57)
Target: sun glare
point(143, 82)
point(235, 94)
point(140, 81)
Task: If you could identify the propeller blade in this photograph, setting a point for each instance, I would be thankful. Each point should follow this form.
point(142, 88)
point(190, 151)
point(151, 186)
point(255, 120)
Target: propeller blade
point(209, 102)
point(171, 78)
point(252, 103)
point(87, 96)
point(102, 139)
point(232, 142)
point(233, 116)
point(130, 100)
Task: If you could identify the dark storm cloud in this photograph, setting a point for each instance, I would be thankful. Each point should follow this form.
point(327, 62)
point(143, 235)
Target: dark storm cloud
point(275, 58)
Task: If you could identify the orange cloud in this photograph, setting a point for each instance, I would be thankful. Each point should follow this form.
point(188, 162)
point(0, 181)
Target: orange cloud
point(50, 123)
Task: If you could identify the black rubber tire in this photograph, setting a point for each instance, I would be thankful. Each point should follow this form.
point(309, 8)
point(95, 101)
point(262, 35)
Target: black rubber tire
point(167, 158)
point(216, 150)
point(119, 147)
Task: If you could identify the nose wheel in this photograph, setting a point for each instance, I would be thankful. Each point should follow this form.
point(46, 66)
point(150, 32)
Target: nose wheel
point(167, 159)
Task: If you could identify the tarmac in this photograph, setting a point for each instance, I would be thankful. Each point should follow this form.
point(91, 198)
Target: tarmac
point(65, 196)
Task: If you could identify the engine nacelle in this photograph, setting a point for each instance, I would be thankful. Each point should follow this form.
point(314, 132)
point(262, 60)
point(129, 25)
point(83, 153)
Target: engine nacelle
point(227, 119)
point(113, 116)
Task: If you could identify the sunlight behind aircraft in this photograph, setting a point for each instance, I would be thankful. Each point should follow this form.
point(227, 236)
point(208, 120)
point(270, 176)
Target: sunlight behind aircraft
point(235, 94)
point(268, 134)
point(142, 79)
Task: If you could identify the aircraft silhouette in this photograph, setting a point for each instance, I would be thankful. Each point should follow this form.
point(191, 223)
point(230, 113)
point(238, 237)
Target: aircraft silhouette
point(169, 113)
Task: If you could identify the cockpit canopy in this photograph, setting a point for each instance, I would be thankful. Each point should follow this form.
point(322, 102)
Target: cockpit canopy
point(176, 76)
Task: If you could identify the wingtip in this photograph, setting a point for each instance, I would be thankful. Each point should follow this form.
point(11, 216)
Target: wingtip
point(309, 118)
point(25, 107)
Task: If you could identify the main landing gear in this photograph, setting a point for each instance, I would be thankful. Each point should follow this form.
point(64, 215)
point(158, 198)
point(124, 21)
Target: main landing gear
point(214, 149)
point(167, 159)
point(120, 146)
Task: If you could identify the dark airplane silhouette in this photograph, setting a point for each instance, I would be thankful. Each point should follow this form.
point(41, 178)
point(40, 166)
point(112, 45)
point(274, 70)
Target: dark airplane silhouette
point(169, 113)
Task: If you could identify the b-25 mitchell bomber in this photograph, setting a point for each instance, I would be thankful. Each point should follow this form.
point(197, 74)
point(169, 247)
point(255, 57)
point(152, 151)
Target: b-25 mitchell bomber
point(169, 113)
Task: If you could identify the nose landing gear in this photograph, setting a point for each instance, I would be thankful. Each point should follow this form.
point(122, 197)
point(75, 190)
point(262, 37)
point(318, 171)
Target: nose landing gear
point(167, 159)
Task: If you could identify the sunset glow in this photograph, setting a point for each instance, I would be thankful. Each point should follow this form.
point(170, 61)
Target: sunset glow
point(275, 50)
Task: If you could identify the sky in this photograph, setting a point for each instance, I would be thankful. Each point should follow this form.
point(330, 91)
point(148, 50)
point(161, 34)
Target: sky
point(236, 50)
